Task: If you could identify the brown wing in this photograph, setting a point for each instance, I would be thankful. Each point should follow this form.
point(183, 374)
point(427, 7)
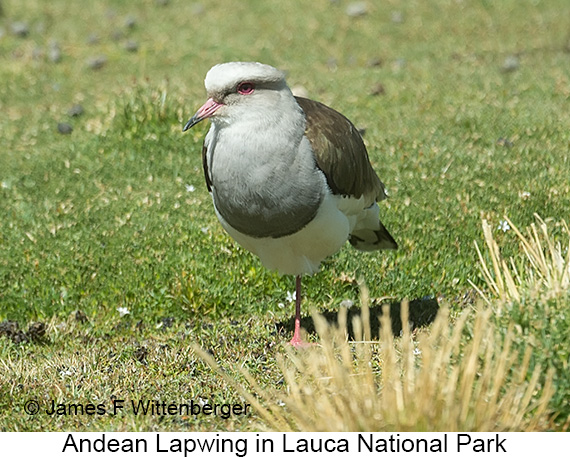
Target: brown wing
point(340, 152)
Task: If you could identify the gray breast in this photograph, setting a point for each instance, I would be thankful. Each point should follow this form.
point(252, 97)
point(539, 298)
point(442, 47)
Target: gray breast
point(268, 198)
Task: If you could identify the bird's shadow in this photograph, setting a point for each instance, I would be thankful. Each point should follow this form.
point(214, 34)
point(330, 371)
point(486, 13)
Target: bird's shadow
point(422, 312)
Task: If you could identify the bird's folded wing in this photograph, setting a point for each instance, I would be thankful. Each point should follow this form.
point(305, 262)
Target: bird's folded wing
point(340, 152)
point(205, 165)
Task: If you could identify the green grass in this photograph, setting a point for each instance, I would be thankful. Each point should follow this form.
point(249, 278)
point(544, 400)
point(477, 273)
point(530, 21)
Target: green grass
point(102, 219)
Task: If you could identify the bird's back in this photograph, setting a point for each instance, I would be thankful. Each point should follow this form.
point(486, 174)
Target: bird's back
point(341, 155)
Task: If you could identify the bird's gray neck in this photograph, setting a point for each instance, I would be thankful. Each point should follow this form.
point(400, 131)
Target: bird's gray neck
point(264, 179)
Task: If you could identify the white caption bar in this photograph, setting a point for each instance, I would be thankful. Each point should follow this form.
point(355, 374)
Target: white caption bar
point(170, 444)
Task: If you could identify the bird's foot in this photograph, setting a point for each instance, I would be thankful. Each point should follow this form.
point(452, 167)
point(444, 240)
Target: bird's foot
point(298, 343)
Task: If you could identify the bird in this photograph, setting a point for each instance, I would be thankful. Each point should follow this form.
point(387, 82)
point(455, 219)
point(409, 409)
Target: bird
point(290, 177)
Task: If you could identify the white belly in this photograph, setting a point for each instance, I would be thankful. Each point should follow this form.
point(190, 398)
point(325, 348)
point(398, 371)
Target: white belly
point(303, 251)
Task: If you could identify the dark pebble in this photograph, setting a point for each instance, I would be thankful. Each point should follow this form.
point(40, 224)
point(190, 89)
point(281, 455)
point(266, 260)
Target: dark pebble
point(64, 128)
point(97, 62)
point(378, 89)
point(141, 353)
point(505, 142)
point(375, 62)
point(130, 22)
point(11, 330)
point(131, 46)
point(80, 316)
point(36, 331)
point(9, 327)
point(511, 64)
point(75, 111)
point(20, 29)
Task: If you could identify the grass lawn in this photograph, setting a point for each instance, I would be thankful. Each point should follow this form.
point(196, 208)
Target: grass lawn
point(112, 263)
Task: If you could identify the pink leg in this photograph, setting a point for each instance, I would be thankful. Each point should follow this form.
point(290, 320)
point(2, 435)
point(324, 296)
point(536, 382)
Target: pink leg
point(297, 341)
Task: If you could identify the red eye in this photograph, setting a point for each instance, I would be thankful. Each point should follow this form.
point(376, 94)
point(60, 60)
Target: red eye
point(245, 88)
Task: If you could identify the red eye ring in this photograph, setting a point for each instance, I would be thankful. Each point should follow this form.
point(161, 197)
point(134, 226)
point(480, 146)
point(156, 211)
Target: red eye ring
point(245, 88)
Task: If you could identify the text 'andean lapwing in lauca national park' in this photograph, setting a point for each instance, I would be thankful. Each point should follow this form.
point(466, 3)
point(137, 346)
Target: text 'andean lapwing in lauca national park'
point(290, 177)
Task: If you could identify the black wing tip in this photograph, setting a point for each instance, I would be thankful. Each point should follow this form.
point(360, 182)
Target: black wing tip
point(375, 240)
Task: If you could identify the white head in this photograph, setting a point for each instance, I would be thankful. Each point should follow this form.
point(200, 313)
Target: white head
point(226, 77)
point(238, 88)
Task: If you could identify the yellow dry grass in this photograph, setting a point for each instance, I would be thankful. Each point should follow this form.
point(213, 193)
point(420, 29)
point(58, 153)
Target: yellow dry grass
point(545, 275)
point(447, 380)
point(462, 374)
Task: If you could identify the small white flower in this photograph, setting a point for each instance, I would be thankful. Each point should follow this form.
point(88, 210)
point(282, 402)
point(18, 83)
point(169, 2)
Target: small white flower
point(504, 226)
point(417, 351)
point(347, 303)
point(63, 373)
point(189, 188)
point(281, 305)
point(204, 230)
point(123, 311)
point(524, 195)
point(291, 296)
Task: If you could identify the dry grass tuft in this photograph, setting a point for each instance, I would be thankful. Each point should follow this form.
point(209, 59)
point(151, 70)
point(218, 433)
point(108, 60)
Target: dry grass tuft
point(447, 380)
point(477, 374)
point(546, 273)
